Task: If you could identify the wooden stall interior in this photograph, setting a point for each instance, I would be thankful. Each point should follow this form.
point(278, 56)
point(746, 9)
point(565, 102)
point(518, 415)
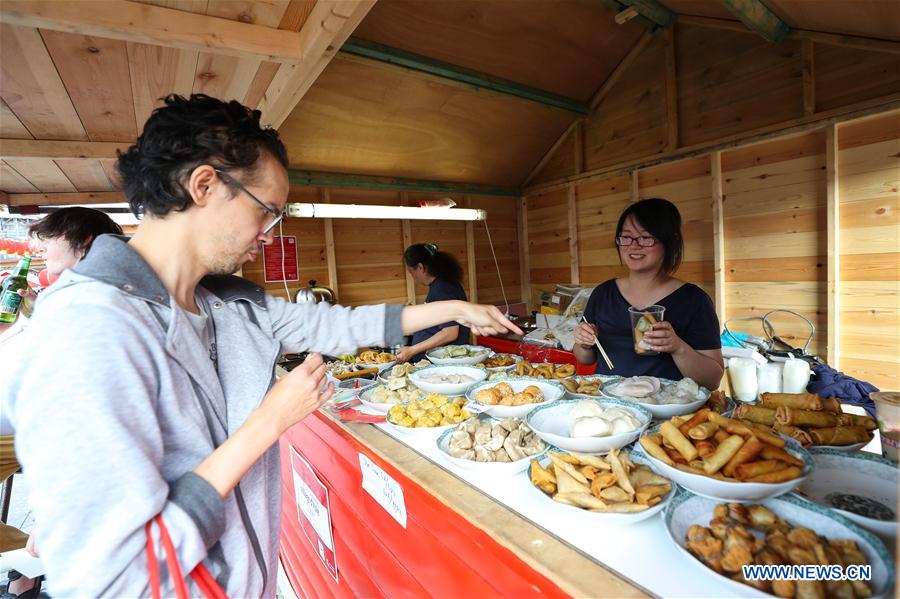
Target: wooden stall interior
point(774, 125)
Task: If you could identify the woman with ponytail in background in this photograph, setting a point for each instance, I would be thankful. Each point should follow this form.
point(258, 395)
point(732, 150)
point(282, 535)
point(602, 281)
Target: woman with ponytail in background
point(442, 274)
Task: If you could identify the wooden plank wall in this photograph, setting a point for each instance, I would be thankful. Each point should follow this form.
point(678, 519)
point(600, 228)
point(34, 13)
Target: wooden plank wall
point(368, 254)
point(775, 234)
point(869, 167)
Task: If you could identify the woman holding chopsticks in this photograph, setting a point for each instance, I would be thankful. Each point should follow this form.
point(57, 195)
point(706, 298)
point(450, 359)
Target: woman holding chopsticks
point(685, 341)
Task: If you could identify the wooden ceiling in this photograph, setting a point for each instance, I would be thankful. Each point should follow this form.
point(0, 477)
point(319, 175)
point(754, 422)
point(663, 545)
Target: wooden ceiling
point(88, 73)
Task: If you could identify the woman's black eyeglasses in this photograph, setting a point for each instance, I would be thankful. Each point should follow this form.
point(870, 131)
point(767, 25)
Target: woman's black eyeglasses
point(643, 241)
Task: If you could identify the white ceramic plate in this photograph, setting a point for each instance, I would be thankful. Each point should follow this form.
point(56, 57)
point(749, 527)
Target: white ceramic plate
point(536, 364)
point(365, 399)
point(605, 379)
point(861, 486)
point(551, 423)
point(499, 468)
point(594, 518)
point(551, 390)
point(481, 355)
point(686, 509)
point(842, 448)
point(419, 430)
point(417, 378)
point(346, 389)
point(667, 410)
point(724, 490)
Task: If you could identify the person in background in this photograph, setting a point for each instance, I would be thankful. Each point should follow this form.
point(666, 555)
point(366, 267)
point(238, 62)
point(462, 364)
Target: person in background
point(161, 403)
point(648, 237)
point(442, 274)
point(62, 238)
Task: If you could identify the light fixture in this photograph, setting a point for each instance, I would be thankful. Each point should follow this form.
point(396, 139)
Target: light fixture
point(304, 210)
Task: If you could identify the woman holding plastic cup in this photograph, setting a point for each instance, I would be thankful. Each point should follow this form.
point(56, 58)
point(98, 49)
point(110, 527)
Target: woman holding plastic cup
point(649, 322)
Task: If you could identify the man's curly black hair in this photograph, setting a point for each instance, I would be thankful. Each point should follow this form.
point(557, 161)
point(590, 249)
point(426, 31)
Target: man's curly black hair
point(184, 134)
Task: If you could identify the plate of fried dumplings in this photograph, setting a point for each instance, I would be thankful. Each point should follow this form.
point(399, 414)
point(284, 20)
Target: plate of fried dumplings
point(513, 397)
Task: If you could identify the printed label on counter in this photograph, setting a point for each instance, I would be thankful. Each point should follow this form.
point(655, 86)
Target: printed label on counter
point(383, 489)
point(314, 511)
point(476, 407)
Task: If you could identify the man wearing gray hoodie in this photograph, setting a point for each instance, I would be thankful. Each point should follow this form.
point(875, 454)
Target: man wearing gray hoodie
point(148, 386)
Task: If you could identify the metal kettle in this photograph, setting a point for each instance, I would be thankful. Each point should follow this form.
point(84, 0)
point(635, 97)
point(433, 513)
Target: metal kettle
point(314, 294)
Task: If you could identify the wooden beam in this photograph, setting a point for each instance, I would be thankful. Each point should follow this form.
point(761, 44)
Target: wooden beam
point(478, 80)
point(757, 16)
point(59, 150)
point(671, 91)
point(718, 210)
point(157, 26)
point(470, 257)
point(65, 199)
point(524, 262)
point(793, 127)
point(406, 232)
point(833, 225)
point(549, 153)
point(574, 258)
point(819, 37)
point(654, 11)
point(579, 145)
point(328, 26)
point(299, 177)
point(619, 71)
point(330, 259)
point(807, 51)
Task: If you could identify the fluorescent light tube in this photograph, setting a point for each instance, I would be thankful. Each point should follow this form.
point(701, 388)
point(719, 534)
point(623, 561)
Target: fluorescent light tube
point(303, 210)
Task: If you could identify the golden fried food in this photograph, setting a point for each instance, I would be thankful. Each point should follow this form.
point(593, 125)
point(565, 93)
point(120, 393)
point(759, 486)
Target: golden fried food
point(502, 394)
point(499, 361)
point(545, 371)
point(434, 410)
point(611, 484)
point(373, 357)
point(728, 544)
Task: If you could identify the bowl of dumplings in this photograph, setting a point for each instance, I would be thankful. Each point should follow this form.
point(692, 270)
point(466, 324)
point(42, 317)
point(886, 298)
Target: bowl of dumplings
point(664, 398)
point(433, 412)
point(489, 445)
point(589, 425)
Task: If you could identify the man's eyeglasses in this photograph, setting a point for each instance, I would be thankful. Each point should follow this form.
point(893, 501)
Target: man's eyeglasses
point(232, 181)
point(643, 241)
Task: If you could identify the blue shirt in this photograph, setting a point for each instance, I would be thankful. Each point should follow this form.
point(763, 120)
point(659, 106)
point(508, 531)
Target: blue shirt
point(688, 308)
point(441, 290)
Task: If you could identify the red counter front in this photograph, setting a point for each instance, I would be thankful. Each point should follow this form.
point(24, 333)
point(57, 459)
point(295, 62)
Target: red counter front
point(439, 553)
point(535, 353)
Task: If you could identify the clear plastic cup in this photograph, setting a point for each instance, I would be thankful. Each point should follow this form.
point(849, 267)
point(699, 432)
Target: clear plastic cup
point(743, 379)
point(887, 407)
point(642, 320)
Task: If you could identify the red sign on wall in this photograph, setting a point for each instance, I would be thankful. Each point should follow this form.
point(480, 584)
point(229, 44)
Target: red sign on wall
point(272, 262)
point(314, 511)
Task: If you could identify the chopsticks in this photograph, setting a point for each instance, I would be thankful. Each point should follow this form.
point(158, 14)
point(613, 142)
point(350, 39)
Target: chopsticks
point(606, 359)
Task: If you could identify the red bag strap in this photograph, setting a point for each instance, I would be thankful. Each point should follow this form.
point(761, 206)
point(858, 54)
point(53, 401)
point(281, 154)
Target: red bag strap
point(205, 581)
point(152, 563)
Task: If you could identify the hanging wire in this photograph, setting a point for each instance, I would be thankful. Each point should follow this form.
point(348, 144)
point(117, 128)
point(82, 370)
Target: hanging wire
point(497, 266)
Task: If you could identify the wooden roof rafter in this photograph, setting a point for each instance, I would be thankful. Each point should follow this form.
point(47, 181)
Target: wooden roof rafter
point(757, 17)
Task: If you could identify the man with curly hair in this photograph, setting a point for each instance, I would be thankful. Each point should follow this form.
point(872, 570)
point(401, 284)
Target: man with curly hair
point(162, 399)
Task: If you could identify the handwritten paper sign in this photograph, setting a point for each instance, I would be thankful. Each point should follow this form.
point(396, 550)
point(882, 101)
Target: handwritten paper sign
point(314, 511)
point(383, 489)
point(476, 407)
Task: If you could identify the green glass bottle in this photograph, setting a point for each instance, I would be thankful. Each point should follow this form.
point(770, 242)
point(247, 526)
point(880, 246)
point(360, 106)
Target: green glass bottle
point(10, 300)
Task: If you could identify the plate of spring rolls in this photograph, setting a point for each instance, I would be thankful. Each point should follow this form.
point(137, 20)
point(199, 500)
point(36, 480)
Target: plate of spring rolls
point(809, 419)
point(788, 530)
point(721, 458)
point(617, 487)
point(860, 486)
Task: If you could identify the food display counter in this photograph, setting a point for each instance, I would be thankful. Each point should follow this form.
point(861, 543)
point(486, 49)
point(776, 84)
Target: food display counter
point(375, 509)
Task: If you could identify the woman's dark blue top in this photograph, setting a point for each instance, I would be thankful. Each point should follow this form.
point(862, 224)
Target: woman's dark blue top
point(688, 308)
point(441, 290)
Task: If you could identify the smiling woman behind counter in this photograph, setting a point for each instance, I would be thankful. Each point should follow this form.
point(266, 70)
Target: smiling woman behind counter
point(648, 237)
point(442, 274)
